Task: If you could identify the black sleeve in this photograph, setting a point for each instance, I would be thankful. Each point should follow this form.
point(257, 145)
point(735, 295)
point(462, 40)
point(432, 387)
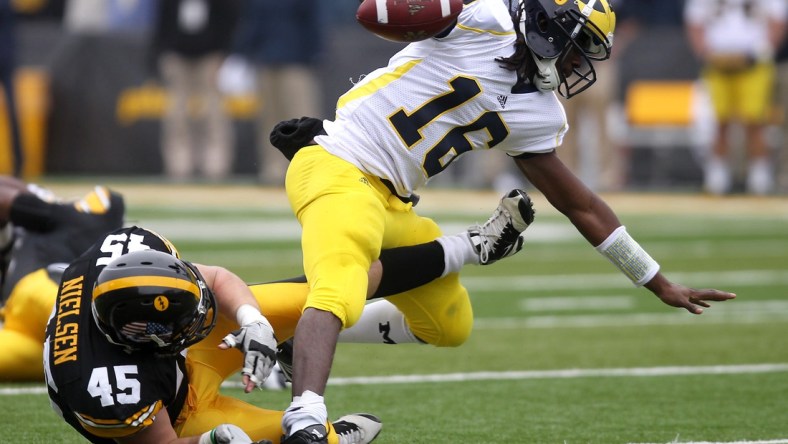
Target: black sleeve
point(32, 213)
point(405, 268)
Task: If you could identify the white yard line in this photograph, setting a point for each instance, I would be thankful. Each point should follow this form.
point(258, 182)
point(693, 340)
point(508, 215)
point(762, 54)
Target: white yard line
point(515, 375)
point(770, 441)
point(527, 282)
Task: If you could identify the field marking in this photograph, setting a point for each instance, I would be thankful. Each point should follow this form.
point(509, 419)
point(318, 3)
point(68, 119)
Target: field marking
point(735, 312)
point(770, 441)
point(514, 375)
point(616, 280)
point(578, 303)
point(563, 374)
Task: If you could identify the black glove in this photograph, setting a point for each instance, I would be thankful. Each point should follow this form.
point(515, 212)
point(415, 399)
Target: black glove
point(289, 136)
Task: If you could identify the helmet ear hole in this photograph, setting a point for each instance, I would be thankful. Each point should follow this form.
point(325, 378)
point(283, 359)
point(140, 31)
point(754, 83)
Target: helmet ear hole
point(542, 23)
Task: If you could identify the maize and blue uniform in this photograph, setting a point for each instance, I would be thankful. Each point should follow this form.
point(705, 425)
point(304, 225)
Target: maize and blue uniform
point(394, 130)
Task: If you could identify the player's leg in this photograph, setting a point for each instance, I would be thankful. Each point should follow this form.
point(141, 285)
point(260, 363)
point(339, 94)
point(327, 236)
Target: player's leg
point(402, 269)
point(205, 410)
point(215, 365)
point(342, 219)
point(756, 87)
point(21, 339)
point(263, 424)
point(411, 267)
point(717, 177)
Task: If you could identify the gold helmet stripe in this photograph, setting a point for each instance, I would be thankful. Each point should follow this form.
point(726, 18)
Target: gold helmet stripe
point(147, 281)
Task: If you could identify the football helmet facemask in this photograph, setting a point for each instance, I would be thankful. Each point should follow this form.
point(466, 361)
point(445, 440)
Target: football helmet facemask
point(150, 300)
point(557, 30)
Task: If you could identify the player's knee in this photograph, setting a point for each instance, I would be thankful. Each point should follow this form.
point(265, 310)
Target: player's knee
point(344, 293)
point(456, 335)
point(451, 330)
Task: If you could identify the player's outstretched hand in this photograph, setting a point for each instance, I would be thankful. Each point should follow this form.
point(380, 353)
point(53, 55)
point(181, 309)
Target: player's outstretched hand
point(257, 342)
point(691, 299)
point(226, 434)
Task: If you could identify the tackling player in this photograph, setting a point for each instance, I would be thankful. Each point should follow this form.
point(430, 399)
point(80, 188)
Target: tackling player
point(115, 351)
point(488, 82)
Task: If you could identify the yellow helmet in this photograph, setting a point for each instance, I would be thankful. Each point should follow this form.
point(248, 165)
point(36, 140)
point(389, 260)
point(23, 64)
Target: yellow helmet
point(553, 28)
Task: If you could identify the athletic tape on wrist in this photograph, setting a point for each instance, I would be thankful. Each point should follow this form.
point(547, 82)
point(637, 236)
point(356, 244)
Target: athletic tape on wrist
point(626, 254)
point(246, 314)
point(207, 437)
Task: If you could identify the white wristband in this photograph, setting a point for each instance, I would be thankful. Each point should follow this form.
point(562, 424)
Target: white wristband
point(246, 314)
point(628, 256)
point(205, 438)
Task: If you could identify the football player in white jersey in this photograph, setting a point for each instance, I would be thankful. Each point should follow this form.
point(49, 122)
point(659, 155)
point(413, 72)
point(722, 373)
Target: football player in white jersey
point(487, 82)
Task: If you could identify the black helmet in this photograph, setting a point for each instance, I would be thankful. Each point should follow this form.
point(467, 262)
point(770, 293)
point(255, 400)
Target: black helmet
point(552, 28)
point(151, 300)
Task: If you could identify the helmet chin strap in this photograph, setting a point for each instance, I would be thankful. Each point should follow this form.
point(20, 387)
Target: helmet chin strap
point(546, 78)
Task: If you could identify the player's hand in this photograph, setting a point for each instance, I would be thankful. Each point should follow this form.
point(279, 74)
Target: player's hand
point(258, 343)
point(227, 434)
point(693, 300)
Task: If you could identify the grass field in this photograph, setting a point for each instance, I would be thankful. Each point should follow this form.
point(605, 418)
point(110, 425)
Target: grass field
point(565, 349)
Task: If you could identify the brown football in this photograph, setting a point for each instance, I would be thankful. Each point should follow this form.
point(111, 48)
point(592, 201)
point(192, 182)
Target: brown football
point(407, 20)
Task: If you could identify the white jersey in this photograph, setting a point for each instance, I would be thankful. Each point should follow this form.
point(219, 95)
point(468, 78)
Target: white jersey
point(736, 26)
point(440, 98)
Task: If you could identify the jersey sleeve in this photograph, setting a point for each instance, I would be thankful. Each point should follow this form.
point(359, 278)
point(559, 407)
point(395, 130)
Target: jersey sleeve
point(122, 426)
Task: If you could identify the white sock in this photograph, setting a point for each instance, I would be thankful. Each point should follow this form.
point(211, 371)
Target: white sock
point(457, 251)
point(380, 323)
point(305, 410)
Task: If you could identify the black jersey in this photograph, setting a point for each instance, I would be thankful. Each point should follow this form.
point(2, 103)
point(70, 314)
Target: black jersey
point(47, 233)
point(100, 389)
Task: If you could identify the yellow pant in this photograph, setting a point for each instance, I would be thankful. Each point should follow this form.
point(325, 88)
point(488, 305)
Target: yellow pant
point(745, 94)
point(208, 366)
point(347, 217)
point(22, 337)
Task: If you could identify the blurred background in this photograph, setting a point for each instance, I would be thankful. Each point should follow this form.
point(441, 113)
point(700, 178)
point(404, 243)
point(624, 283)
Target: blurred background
point(97, 86)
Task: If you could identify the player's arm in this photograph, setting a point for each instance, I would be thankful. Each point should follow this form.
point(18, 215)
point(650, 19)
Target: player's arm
point(161, 432)
point(256, 337)
point(597, 222)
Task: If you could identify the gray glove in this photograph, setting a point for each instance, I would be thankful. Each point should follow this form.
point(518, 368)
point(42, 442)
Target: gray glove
point(257, 342)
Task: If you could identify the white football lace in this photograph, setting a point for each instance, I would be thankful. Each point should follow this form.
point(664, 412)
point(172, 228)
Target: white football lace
point(491, 231)
point(351, 436)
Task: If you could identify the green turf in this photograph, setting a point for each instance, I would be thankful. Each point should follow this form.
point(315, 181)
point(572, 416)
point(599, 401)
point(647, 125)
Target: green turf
point(519, 330)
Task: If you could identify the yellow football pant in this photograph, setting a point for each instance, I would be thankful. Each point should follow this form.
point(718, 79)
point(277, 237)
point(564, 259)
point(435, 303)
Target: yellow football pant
point(347, 217)
point(22, 337)
point(745, 94)
point(208, 366)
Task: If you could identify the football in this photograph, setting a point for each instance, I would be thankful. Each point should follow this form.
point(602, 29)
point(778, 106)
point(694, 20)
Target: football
point(407, 20)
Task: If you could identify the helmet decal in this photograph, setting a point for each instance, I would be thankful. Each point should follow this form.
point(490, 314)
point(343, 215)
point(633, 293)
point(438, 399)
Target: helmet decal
point(161, 303)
